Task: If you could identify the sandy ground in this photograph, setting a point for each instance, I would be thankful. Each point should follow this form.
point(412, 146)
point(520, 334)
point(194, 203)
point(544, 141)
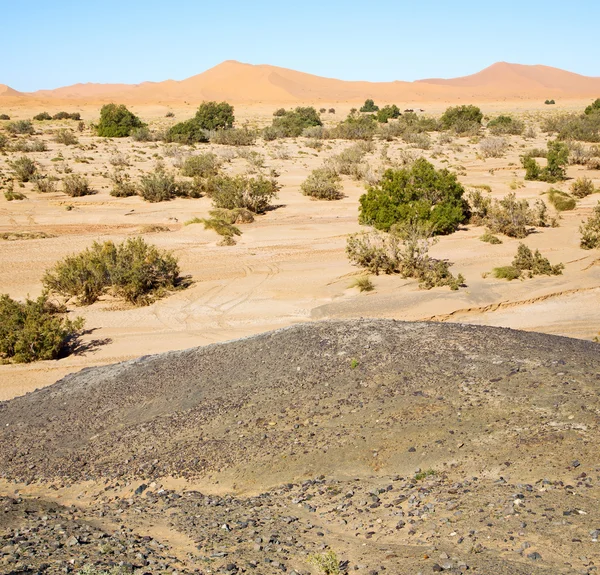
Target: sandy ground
point(289, 265)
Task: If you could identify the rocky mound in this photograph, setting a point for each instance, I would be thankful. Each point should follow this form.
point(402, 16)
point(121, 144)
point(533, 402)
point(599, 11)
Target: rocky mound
point(401, 447)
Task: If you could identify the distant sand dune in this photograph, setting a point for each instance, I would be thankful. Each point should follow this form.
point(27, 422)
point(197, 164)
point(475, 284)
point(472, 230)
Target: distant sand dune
point(247, 83)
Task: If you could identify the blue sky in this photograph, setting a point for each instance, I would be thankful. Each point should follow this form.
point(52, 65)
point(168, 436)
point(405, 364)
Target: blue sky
point(47, 44)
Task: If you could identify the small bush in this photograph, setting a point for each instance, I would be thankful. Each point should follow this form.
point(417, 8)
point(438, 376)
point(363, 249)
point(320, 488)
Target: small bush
point(133, 270)
point(76, 185)
point(23, 168)
point(66, 137)
point(252, 193)
point(461, 119)
point(67, 116)
point(363, 283)
point(116, 121)
point(3, 142)
point(355, 127)
point(417, 192)
point(234, 216)
point(11, 195)
point(561, 201)
point(291, 123)
point(327, 563)
point(590, 231)
point(557, 158)
point(582, 187)
point(29, 146)
point(225, 229)
point(323, 184)
point(490, 238)
point(349, 162)
point(188, 132)
point(534, 263)
point(549, 102)
point(170, 115)
point(504, 125)
point(214, 116)
point(593, 108)
point(233, 137)
point(369, 106)
point(20, 127)
point(160, 186)
point(123, 187)
point(44, 185)
point(202, 165)
point(35, 330)
point(4, 117)
point(388, 113)
point(141, 134)
point(331, 111)
point(493, 147)
point(513, 217)
point(42, 116)
point(507, 273)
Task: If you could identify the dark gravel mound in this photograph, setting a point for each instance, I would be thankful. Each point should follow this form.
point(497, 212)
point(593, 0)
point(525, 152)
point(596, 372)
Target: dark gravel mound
point(331, 397)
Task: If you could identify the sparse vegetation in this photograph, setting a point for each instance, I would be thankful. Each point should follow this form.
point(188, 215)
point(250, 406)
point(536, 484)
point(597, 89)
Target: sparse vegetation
point(493, 147)
point(66, 137)
point(76, 185)
point(490, 238)
point(527, 264)
point(20, 127)
point(363, 283)
point(24, 168)
point(252, 193)
point(161, 186)
point(590, 231)
point(557, 158)
point(582, 187)
point(123, 187)
point(201, 165)
point(323, 184)
point(133, 270)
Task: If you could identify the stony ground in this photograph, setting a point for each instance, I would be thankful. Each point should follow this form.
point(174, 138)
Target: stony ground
point(400, 447)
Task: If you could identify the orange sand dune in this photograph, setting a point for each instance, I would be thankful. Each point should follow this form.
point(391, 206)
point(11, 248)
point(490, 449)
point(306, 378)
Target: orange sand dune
point(247, 83)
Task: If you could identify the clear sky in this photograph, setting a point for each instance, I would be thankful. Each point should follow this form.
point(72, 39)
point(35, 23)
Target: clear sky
point(52, 43)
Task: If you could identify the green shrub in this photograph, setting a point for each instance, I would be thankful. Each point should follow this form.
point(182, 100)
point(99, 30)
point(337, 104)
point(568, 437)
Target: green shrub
point(584, 128)
point(327, 563)
point(20, 127)
point(349, 162)
point(504, 125)
point(76, 185)
point(582, 187)
point(292, 123)
point(509, 216)
point(593, 108)
point(388, 113)
point(561, 201)
point(132, 270)
point(161, 186)
point(252, 193)
point(461, 119)
point(4, 117)
point(404, 251)
point(549, 102)
point(355, 127)
point(35, 330)
point(23, 168)
point(323, 184)
point(590, 231)
point(507, 273)
point(42, 116)
point(534, 263)
point(44, 185)
point(66, 137)
point(215, 116)
point(67, 116)
point(419, 192)
point(188, 132)
point(234, 216)
point(116, 121)
point(557, 158)
point(490, 238)
point(279, 112)
point(202, 165)
point(233, 137)
point(225, 229)
point(363, 283)
point(369, 106)
point(29, 146)
point(12, 195)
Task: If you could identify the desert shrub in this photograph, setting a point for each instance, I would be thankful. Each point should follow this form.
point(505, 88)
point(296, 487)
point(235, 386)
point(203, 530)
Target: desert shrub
point(20, 127)
point(23, 168)
point(404, 251)
point(123, 187)
point(331, 111)
point(29, 146)
point(557, 158)
point(170, 115)
point(363, 283)
point(11, 195)
point(355, 127)
point(76, 185)
point(593, 164)
point(490, 238)
point(549, 102)
point(506, 273)
point(223, 228)
point(202, 165)
point(584, 128)
point(561, 201)
point(279, 112)
point(67, 116)
point(369, 106)
point(161, 186)
point(593, 108)
point(188, 132)
point(234, 216)
point(533, 262)
point(116, 121)
point(215, 116)
point(504, 124)
point(317, 132)
point(322, 110)
point(66, 137)
point(420, 140)
point(419, 192)
point(3, 142)
point(388, 113)
point(493, 147)
point(253, 193)
point(590, 231)
point(292, 122)
point(44, 184)
point(133, 270)
point(582, 187)
point(141, 134)
point(4, 117)
point(461, 119)
point(42, 116)
point(349, 161)
point(513, 217)
point(480, 206)
point(327, 563)
point(323, 184)
point(35, 330)
point(233, 137)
